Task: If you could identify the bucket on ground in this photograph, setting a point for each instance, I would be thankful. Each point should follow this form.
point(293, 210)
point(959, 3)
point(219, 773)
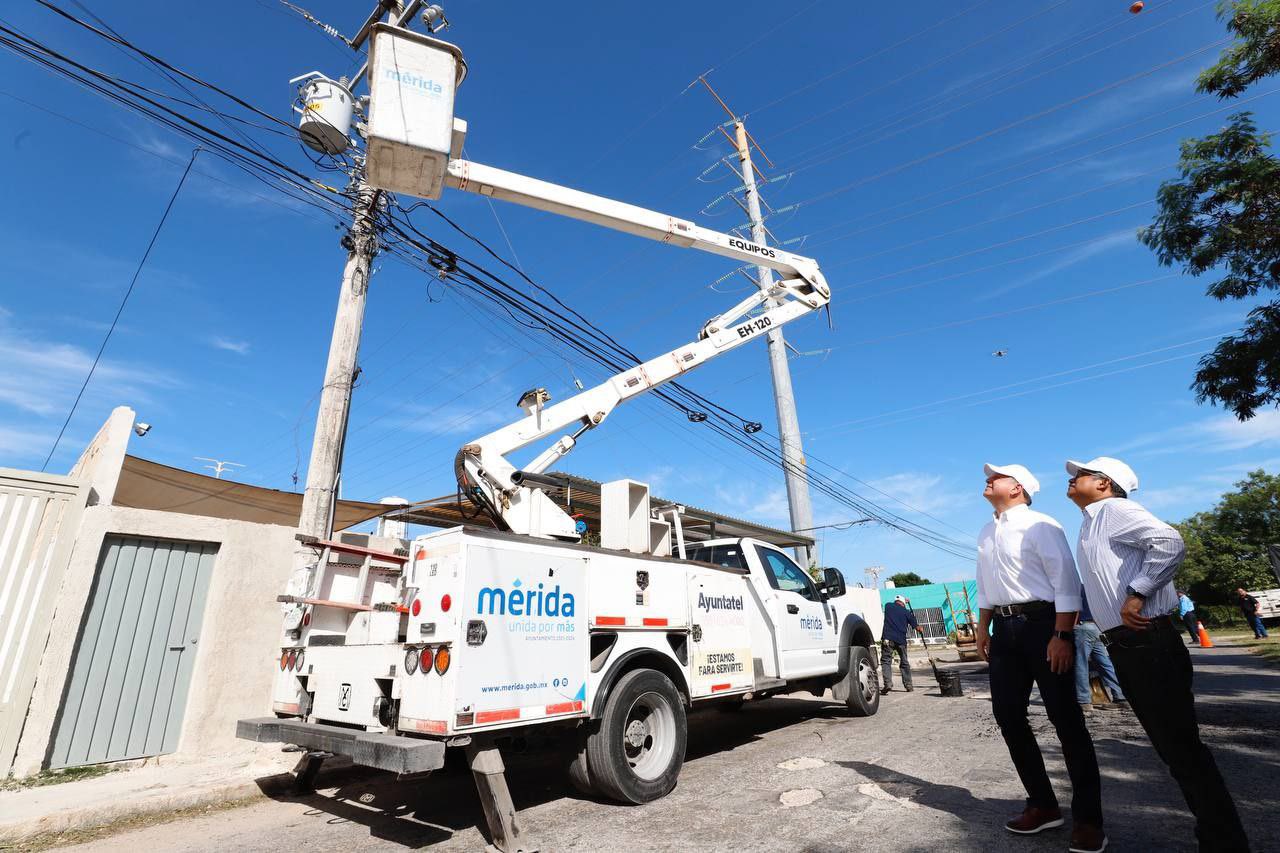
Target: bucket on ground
point(949, 683)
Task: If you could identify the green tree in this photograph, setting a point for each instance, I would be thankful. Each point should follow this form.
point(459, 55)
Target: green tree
point(908, 579)
point(1223, 214)
point(1227, 545)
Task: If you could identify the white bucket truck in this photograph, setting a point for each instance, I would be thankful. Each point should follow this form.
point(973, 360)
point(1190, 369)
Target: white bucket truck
point(470, 634)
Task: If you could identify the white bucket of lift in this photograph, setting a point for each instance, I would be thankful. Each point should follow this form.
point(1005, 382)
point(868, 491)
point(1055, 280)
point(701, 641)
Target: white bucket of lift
point(326, 113)
point(412, 80)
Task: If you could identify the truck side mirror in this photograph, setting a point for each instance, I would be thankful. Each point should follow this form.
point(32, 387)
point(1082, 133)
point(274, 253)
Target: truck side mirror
point(832, 583)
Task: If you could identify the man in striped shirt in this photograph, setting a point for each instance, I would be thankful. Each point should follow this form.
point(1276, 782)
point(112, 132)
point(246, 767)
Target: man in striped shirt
point(1127, 558)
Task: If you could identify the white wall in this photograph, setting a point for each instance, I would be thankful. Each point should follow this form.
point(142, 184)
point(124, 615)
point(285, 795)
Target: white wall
point(239, 639)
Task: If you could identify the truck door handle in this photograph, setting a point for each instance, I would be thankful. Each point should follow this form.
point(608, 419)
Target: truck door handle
point(793, 608)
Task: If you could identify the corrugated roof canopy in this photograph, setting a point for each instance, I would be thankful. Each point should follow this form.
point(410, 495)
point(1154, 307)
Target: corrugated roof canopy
point(583, 496)
point(149, 485)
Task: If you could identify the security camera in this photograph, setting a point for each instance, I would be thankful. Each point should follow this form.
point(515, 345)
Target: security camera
point(141, 429)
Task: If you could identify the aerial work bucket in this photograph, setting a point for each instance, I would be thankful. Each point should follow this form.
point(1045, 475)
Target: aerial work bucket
point(412, 80)
point(326, 113)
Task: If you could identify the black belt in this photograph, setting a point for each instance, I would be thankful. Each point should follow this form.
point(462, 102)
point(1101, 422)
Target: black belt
point(1124, 632)
point(1010, 610)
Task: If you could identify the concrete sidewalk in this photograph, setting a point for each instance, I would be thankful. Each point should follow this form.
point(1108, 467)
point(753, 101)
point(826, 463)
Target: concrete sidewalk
point(35, 816)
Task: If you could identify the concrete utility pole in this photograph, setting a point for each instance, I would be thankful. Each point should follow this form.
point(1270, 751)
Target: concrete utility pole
point(339, 376)
point(797, 475)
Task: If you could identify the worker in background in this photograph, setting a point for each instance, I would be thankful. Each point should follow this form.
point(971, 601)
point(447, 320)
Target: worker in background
point(1090, 649)
point(898, 618)
point(1028, 587)
point(1127, 559)
point(1249, 607)
point(1187, 613)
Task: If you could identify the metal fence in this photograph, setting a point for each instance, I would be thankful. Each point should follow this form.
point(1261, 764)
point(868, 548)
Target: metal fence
point(39, 517)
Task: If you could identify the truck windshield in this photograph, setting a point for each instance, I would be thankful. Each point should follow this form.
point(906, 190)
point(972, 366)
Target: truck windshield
point(729, 556)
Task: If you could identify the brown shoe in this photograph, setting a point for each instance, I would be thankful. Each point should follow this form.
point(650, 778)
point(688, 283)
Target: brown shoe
point(1035, 819)
point(1087, 838)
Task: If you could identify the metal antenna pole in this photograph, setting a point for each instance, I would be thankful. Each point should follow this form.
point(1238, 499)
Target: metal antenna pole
point(218, 465)
point(797, 475)
point(874, 573)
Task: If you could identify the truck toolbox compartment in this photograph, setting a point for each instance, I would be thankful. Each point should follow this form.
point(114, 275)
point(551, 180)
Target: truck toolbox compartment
point(371, 749)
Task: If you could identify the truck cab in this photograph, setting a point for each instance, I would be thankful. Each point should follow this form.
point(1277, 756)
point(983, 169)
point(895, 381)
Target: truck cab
point(797, 618)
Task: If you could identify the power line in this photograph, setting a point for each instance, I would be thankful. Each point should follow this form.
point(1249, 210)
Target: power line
point(951, 149)
point(560, 324)
point(124, 301)
point(988, 401)
point(913, 203)
point(876, 54)
point(987, 93)
point(1005, 387)
point(924, 241)
point(1003, 243)
point(923, 68)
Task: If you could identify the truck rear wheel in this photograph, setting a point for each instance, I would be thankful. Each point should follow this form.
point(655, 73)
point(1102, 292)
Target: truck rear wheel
point(636, 753)
point(862, 683)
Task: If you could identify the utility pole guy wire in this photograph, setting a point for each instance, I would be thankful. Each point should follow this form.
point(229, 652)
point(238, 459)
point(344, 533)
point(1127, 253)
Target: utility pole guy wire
point(123, 302)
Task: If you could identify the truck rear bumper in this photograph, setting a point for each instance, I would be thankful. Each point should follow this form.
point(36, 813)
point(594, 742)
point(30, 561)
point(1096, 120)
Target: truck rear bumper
point(386, 752)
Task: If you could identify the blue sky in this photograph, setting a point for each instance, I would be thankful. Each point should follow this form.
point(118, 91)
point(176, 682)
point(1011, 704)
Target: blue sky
point(970, 177)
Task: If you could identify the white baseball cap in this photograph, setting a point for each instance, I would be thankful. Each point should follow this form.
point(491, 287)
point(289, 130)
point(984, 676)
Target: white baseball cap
point(1018, 472)
point(1113, 469)
point(899, 599)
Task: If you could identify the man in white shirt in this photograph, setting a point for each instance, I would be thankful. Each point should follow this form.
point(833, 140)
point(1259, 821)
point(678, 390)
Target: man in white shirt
point(1028, 586)
point(1127, 560)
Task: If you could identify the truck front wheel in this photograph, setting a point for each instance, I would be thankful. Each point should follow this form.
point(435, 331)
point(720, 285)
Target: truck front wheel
point(636, 753)
point(862, 683)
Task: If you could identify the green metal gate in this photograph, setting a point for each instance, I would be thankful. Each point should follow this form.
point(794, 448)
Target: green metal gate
point(128, 687)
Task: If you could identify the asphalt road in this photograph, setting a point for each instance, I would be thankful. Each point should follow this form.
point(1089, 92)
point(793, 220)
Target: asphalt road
point(797, 774)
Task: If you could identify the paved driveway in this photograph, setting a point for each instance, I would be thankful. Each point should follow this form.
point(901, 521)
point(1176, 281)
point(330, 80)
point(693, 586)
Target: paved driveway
point(925, 774)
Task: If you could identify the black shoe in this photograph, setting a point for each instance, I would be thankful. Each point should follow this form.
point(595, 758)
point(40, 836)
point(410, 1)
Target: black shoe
point(885, 688)
point(909, 688)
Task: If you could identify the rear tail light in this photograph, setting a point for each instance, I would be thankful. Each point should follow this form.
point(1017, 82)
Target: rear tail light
point(306, 618)
point(442, 660)
point(426, 659)
point(446, 603)
point(410, 661)
point(416, 608)
point(284, 659)
point(293, 660)
point(301, 653)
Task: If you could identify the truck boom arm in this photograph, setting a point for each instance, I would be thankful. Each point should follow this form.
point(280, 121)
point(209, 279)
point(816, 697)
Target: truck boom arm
point(482, 466)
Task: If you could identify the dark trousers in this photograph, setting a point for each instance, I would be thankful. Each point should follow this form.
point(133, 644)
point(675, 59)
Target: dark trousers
point(1017, 660)
point(1189, 620)
point(1155, 671)
point(887, 648)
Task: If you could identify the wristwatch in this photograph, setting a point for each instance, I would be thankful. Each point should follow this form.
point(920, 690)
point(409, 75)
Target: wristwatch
point(1069, 636)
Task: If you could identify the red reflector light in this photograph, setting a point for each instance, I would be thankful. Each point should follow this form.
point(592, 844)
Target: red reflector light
point(442, 660)
point(416, 608)
point(293, 660)
point(446, 603)
point(284, 659)
point(425, 665)
point(421, 555)
point(306, 618)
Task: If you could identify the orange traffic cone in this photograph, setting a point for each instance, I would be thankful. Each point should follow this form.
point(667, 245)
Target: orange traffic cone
point(1205, 642)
